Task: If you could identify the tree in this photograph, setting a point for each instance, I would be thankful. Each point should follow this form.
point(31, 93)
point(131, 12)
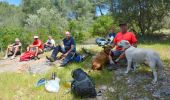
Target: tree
point(145, 16)
point(31, 6)
point(46, 19)
point(10, 16)
point(103, 24)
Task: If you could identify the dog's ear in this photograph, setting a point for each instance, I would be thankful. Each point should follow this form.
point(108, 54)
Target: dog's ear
point(127, 43)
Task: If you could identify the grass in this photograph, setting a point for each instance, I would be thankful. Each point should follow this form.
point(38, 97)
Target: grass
point(15, 86)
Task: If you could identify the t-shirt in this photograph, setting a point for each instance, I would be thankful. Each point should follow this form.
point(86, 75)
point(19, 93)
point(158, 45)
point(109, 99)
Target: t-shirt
point(36, 42)
point(51, 41)
point(129, 36)
point(68, 42)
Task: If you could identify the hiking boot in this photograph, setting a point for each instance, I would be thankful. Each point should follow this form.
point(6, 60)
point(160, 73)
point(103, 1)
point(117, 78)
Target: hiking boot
point(112, 67)
point(51, 59)
point(12, 57)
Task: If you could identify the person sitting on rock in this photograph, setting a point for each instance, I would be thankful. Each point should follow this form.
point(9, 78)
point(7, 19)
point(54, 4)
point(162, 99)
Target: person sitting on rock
point(36, 46)
point(14, 49)
point(68, 49)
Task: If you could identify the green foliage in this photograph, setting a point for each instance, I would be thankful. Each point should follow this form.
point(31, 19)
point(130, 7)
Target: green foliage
point(10, 16)
point(46, 19)
point(103, 24)
point(144, 16)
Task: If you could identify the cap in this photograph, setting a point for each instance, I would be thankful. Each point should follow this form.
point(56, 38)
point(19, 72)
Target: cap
point(16, 40)
point(35, 37)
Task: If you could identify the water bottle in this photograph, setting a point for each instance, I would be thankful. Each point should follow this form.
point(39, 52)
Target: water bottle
point(53, 76)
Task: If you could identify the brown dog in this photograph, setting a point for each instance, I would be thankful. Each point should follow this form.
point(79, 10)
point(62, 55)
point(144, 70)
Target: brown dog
point(101, 58)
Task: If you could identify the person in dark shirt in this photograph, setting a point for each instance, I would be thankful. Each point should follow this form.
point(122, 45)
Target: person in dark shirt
point(67, 48)
point(111, 35)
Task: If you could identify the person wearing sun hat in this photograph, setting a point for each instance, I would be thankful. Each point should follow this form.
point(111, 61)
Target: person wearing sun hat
point(13, 49)
point(36, 46)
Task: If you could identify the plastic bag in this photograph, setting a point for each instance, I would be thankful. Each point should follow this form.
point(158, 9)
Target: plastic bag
point(52, 85)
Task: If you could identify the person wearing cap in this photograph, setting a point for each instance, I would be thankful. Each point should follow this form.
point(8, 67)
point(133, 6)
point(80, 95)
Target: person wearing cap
point(122, 35)
point(50, 44)
point(36, 46)
point(13, 49)
point(67, 48)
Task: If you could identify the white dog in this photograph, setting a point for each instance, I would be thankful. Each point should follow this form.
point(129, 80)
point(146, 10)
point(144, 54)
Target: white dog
point(139, 55)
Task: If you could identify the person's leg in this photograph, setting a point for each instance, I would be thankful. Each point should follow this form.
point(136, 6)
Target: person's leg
point(36, 51)
point(28, 48)
point(55, 52)
point(15, 50)
point(7, 52)
point(53, 57)
point(113, 55)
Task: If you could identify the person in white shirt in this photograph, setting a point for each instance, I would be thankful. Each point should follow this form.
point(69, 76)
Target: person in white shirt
point(50, 44)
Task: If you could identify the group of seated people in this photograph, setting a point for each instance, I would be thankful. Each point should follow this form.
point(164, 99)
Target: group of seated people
point(68, 46)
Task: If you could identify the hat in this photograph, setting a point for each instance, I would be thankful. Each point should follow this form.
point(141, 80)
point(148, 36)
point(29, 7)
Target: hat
point(35, 37)
point(122, 23)
point(16, 40)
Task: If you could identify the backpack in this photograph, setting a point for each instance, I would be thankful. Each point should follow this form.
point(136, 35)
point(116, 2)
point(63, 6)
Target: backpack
point(82, 85)
point(78, 58)
point(28, 55)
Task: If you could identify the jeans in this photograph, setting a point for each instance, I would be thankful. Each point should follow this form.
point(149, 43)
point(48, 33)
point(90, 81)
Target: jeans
point(67, 59)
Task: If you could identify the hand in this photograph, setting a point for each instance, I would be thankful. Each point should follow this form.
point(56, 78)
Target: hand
point(117, 60)
point(65, 54)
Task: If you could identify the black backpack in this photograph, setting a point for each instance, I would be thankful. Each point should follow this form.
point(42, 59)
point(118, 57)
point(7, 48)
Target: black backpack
point(82, 85)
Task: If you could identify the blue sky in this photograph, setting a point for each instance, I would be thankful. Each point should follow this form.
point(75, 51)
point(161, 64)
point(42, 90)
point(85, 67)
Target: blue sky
point(14, 2)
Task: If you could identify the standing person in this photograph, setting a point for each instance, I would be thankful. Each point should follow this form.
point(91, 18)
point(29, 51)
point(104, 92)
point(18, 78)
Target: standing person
point(36, 46)
point(68, 49)
point(14, 49)
point(50, 44)
point(122, 35)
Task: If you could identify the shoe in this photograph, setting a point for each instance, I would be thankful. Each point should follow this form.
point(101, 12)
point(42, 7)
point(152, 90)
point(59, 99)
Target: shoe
point(12, 57)
point(112, 67)
point(51, 59)
point(36, 58)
